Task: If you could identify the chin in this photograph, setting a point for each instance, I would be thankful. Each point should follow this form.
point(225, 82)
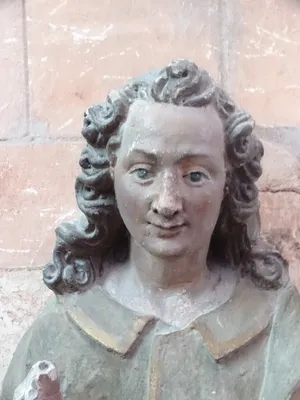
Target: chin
point(166, 251)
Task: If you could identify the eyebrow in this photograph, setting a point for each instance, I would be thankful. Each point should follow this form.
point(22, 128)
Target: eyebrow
point(185, 156)
point(144, 153)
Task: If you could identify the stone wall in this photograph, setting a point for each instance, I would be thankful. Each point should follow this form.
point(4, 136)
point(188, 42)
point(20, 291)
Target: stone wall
point(60, 56)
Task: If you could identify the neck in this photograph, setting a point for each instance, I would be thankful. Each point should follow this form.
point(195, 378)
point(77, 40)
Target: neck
point(167, 273)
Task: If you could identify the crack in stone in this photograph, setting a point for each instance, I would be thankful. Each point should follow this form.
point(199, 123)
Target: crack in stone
point(273, 191)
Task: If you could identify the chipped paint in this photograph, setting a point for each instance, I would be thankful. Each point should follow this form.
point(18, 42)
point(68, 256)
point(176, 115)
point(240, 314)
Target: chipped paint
point(82, 36)
point(116, 77)
point(52, 26)
point(67, 123)
point(3, 107)
point(262, 31)
point(254, 90)
point(292, 87)
point(31, 190)
point(85, 72)
point(10, 40)
point(57, 8)
point(12, 251)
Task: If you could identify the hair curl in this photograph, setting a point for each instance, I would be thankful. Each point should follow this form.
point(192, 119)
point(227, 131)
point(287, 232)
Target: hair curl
point(101, 233)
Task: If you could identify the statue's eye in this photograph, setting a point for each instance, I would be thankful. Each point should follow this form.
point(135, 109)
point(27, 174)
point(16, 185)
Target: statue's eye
point(196, 177)
point(142, 173)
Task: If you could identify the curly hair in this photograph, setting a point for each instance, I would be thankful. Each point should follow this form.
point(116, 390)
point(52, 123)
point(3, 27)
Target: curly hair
point(100, 235)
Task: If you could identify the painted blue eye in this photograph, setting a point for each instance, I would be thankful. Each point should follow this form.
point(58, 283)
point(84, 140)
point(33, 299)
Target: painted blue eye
point(195, 177)
point(142, 173)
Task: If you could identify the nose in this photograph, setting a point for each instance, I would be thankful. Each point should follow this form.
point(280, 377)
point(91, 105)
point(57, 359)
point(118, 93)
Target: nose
point(168, 201)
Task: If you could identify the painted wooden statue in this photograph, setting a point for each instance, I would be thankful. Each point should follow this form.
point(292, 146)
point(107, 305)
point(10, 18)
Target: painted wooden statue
point(165, 290)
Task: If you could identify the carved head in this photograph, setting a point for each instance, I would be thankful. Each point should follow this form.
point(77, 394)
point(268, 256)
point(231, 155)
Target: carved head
point(171, 162)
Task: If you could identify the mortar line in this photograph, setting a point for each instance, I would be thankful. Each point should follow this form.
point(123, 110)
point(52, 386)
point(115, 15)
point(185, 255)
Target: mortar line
point(26, 67)
point(24, 268)
point(228, 23)
point(222, 60)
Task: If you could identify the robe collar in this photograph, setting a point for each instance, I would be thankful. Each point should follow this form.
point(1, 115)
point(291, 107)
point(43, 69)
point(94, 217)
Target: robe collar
point(230, 327)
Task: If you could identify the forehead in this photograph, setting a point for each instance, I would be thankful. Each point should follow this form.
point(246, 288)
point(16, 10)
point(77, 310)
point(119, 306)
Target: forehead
point(169, 128)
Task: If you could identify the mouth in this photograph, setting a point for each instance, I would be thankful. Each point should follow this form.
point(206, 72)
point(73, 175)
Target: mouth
point(168, 226)
point(167, 229)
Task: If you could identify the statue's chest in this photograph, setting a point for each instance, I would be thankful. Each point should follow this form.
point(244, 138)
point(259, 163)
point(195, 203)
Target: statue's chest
point(221, 355)
point(179, 366)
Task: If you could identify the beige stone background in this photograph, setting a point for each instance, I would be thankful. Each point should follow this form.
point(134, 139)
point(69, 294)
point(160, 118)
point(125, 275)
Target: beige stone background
point(60, 56)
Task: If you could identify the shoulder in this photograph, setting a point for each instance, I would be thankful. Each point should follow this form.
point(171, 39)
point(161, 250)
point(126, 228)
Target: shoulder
point(282, 371)
point(287, 309)
point(33, 346)
point(76, 333)
point(105, 321)
point(286, 321)
point(53, 336)
point(245, 317)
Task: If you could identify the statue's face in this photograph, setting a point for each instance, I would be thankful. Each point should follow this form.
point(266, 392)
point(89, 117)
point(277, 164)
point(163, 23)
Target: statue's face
point(169, 177)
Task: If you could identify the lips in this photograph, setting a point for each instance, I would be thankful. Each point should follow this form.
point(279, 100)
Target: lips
point(167, 226)
point(166, 231)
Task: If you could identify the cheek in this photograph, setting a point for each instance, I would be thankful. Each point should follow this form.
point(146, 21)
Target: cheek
point(209, 203)
point(124, 196)
point(129, 199)
point(206, 210)
point(203, 206)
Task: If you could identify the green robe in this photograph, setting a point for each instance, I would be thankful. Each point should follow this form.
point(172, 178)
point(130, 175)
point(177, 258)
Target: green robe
point(249, 348)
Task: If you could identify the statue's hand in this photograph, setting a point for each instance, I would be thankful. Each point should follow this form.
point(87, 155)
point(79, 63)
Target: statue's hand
point(41, 383)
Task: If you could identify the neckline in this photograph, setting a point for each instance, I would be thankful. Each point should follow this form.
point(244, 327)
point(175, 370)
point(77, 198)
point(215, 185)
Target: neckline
point(225, 329)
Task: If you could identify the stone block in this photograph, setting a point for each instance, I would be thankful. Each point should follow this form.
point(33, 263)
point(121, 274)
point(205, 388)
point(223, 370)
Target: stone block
point(267, 48)
point(79, 51)
point(13, 122)
point(36, 194)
